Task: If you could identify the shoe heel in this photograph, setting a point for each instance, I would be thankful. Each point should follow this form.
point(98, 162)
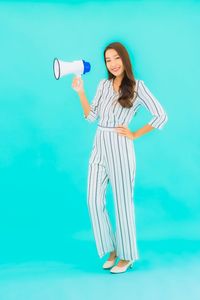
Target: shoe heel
point(131, 266)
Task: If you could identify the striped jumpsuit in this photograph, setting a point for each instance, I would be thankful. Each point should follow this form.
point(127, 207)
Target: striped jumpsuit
point(113, 160)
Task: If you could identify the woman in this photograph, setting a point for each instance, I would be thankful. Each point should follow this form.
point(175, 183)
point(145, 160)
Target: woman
point(113, 157)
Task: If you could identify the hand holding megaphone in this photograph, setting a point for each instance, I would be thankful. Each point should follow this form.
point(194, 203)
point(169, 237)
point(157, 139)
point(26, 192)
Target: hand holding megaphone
point(77, 84)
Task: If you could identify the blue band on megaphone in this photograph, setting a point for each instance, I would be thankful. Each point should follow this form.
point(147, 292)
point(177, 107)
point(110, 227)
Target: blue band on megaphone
point(86, 66)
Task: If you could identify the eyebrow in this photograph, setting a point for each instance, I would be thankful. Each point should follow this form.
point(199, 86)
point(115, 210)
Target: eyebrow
point(113, 56)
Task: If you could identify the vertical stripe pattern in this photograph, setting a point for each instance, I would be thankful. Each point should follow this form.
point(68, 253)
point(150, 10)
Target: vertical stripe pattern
point(112, 160)
point(105, 107)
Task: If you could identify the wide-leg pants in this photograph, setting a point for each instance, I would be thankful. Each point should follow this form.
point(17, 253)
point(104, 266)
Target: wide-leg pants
point(112, 159)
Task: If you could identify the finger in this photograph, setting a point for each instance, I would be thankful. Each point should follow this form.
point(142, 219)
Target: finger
point(121, 130)
point(122, 127)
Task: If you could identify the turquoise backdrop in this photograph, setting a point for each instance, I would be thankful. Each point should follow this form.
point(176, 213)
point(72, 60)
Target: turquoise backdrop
point(46, 142)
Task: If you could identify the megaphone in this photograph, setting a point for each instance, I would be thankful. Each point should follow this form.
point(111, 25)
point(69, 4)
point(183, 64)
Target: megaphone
point(77, 67)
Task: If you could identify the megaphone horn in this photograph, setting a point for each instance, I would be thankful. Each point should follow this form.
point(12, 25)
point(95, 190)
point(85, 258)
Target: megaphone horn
point(62, 68)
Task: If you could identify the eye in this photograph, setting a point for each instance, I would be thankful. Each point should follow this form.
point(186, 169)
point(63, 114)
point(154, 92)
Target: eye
point(117, 57)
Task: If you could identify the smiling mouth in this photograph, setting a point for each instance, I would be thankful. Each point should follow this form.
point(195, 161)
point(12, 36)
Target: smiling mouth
point(116, 69)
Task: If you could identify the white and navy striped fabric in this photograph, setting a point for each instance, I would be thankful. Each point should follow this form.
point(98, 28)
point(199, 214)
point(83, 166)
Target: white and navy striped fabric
point(110, 113)
point(113, 160)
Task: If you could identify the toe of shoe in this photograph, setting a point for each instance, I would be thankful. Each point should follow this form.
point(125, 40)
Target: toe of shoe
point(117, 269)
point(107, 265)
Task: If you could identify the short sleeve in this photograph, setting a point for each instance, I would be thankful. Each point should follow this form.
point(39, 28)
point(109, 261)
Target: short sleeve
point(150, 102)
point(94, 106)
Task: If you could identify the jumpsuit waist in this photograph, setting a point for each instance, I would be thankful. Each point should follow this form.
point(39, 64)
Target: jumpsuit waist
point(107, 128)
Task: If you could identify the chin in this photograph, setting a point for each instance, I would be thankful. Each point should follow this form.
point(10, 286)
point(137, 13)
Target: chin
point(116, 74)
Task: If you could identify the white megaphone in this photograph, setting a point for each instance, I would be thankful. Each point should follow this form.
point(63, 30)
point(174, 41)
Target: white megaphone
point(77, 67)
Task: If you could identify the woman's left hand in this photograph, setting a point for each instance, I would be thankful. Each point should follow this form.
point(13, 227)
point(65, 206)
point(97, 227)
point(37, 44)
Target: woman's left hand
point(125, 131)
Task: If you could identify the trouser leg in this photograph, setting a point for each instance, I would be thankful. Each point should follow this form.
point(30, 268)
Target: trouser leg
point(122, 167)
point(96, 200)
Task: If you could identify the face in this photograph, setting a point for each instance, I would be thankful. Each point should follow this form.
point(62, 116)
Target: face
point(114, 62)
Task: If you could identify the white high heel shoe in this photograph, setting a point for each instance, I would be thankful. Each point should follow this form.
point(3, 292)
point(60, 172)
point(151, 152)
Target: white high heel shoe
point(117, 269)
point(109, 263)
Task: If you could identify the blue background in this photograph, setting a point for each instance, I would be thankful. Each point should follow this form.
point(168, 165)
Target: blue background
point(46, 142)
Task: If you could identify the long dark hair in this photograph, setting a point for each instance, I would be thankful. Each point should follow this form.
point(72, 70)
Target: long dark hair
point(128, 84)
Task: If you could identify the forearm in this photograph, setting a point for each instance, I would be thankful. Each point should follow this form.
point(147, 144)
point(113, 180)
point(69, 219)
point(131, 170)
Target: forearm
point(84, 102)
point(143, 130)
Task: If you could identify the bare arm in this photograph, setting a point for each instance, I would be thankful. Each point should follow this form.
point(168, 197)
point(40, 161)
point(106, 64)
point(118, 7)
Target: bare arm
point(124, 130)
point(90, 110)
point(77, 85)
point(141, 131)
point(84, 102)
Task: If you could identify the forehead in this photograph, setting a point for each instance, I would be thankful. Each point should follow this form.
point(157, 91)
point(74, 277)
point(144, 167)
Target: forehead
point(111, 53)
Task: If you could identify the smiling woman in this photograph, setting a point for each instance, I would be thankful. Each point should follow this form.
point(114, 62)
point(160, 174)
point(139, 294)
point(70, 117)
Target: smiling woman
point(113, 157)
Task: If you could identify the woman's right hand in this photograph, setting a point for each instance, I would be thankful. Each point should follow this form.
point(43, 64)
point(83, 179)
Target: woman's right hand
point(77, 84)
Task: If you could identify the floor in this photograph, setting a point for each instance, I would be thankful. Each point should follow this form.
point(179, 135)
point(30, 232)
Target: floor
point(168, 269)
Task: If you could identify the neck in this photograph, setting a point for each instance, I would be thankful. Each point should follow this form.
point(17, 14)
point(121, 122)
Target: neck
point(118, 79)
